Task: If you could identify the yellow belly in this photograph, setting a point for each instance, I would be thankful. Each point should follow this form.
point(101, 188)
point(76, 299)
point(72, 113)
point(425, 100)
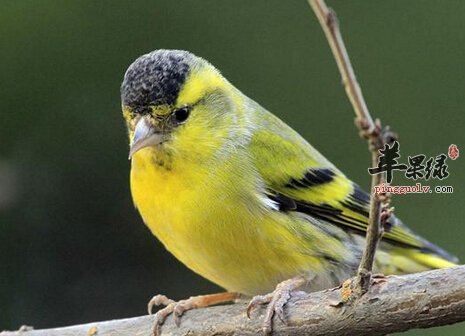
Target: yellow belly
point(223, 235)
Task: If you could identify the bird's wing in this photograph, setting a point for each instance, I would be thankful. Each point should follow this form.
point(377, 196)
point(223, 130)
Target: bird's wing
point(299, 178)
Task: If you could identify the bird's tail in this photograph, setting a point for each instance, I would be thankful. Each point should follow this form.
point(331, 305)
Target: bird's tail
point(401, 259)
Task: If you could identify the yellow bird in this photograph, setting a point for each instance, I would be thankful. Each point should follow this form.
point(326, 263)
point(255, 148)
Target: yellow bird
point(241, 198)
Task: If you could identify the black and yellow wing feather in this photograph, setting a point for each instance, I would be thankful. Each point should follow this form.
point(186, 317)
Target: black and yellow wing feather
point(299, 178)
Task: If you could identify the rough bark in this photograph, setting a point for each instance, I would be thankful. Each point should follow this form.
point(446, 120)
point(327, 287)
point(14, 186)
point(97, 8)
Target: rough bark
point(392, 304)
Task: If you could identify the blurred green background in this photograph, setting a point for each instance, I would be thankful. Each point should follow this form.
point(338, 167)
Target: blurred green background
point(72, 247)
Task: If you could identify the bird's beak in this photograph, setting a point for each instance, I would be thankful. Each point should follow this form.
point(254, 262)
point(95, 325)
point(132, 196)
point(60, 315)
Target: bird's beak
point(144, 135)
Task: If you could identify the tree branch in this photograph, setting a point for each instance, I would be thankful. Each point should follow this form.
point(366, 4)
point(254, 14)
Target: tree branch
point(397, 303)
point(329, 22)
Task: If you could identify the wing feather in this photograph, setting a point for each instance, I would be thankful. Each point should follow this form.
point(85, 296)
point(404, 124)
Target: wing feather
point(299, 178)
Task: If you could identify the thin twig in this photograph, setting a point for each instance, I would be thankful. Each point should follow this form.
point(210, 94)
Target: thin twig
point(328, 21)
point(369, 130)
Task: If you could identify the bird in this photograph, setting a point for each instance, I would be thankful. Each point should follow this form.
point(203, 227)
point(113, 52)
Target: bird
point(241, 198)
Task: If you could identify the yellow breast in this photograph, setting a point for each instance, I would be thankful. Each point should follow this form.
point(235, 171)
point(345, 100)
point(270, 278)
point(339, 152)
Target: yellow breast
point(219, 232)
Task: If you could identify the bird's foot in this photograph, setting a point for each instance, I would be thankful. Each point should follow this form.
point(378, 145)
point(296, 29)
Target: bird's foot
point(276, 302)
point(178, 308)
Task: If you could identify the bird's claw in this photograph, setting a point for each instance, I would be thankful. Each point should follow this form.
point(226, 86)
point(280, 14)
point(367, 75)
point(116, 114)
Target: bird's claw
point(158, 300)
point(256, 301)
point(172, 307)
point(276, 302)
point(160, 318)
point(179, 308)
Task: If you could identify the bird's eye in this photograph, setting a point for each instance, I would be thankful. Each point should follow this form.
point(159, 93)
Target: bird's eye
point(181, 114)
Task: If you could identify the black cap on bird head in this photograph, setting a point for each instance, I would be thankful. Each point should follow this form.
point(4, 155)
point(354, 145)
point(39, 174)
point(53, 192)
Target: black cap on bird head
point(155, 79)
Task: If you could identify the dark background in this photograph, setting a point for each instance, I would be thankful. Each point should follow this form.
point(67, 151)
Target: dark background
point(72, 247)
